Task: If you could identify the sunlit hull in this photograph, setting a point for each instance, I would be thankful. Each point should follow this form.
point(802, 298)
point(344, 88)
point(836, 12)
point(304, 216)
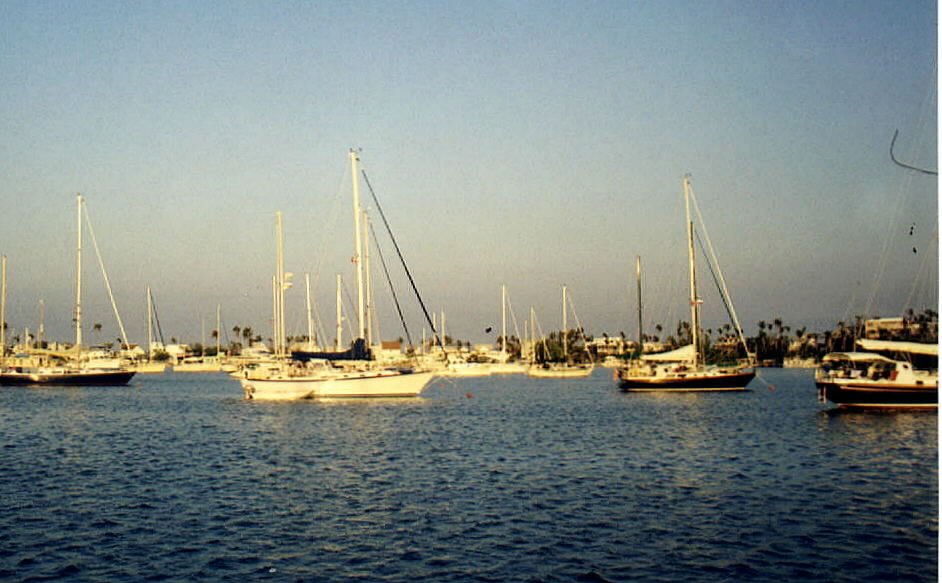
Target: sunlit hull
point(559, 372)
point(875, 394)
point(350, 385)
point(467, 370)
point(508, 368)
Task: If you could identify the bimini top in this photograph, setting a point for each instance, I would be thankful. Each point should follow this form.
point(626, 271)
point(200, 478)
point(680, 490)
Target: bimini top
point(896, 346)
point(682, 354)
point(856, 357)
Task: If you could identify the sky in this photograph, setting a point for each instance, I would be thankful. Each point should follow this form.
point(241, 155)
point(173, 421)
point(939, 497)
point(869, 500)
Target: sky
point(526, 144)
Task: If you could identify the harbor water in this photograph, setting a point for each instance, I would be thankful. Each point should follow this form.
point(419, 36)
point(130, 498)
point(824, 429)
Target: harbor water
point(501, 478)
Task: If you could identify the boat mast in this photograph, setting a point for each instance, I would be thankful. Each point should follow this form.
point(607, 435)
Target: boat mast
point(369, 279)
point(358, 238)
point(78, 275)
point(310, 321)
point(3, 310)
point(532, 335)
point(565, 335)
point(339, 313)
point(694, 299)
point(503, 323)
point(150, 327)
point(41, 333)
point(279, 288)
point(218, 329)
point(640, 320)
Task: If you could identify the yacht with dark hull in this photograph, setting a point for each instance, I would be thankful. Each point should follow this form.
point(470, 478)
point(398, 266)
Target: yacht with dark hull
point(685, 369)
point(46, 368)
point(677, 371)
point(869, 380)
point(64, 377)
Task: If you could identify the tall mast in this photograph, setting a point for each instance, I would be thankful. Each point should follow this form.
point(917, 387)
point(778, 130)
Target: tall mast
point(358, 237)
point(274, 314)
point(503, 322)
point(369, 279)
point(78, 274)
point(532, 335)
point(691, 259)
point(310, 321)
point(3, 310)
point(339, 314)
point(640, 320)
point(565, 336)
point(150, 326)
point(41, 333)
point(280, 288)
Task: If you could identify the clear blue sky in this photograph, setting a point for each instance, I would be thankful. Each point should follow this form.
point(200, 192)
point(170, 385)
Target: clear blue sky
point(528, 143)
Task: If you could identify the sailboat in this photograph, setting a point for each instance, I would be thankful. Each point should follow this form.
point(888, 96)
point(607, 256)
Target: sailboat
point(502, 363)
point(319, 378)
point(149, 365)
point(684, 369)
point(567, 368)
point(58, 368)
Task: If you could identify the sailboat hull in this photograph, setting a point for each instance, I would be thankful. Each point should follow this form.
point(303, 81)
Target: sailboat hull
point(66, 378)
point(561, 372)
point(690, 382)
point(869, 394)
point(355, 385)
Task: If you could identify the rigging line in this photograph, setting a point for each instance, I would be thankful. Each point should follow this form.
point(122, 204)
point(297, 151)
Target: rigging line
point(904, 165)
point(921, 282)
point(513, 318)
point(572, 308)
point(580, 329)
point(713, 274)
point(104, 274)
point(328, 232)
point(392, 290)
point(905, 186)
point(160, 332)
point(224, 330)
point(403, 261)
point(536, 324)
point(349, 306)
point(719, 271)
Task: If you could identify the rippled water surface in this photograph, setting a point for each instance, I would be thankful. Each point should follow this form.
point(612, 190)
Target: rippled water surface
point(502, 478)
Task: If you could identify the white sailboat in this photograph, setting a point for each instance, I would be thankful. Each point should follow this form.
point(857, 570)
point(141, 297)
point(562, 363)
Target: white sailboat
point(289, 380)
point(149, 366)
point(567, 368)
point(204, 363)
point(503, 364)
point(684, 369)
point(68, 368)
